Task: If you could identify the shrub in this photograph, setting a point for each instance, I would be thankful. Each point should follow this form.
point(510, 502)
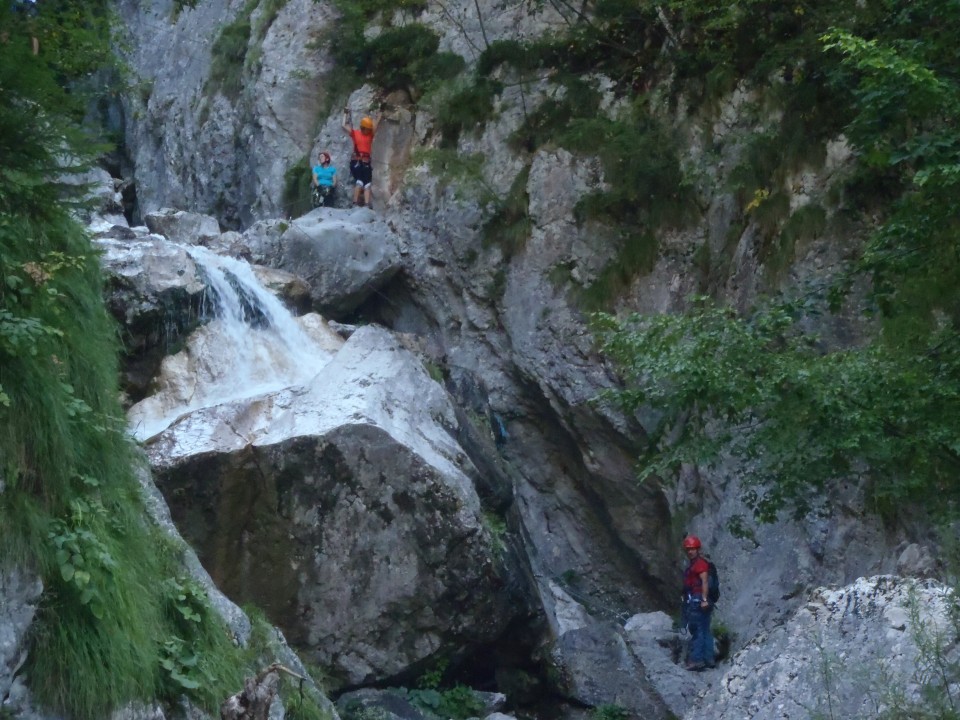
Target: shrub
point(228, 55)
point(406, 57)
point(297, 189)
point(466, 109)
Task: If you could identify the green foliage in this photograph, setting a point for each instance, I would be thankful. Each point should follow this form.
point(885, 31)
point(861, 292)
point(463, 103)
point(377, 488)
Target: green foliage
point(804, 224)
point(804, 418)
point(402, 57)
point(466, 108)
point(431, 679)
point(228, 56)
point(497, 527)
point(84, 560)
point(297, 189)
point(197, 657)
point(456, 703)
point(797, 418)
point(636, 255)
point(937, 672)
point(72, 509)
point(237, 47)
point(406, 57)
point(609, 712)
point(509, 226)
point(500, 52)
point(179, 5)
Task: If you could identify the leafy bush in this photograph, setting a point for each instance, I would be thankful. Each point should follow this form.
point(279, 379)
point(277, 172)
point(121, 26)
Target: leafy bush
point(466, 109)
point(636, 255)
point(456, 703)
point(509, 227)
point(179, 5)
point(228, 56)
point(406, 57)
point(297, 189)
point(609, 712)
point(237, 47)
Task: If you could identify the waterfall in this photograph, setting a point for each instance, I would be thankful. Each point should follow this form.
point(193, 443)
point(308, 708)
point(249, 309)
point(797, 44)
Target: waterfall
point(252, 345)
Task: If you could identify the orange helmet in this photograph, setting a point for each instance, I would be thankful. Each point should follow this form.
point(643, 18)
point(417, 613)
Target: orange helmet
point(366, 124)
point(691, 541)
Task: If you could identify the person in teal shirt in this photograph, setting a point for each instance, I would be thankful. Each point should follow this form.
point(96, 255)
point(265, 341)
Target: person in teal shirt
point(324, 180)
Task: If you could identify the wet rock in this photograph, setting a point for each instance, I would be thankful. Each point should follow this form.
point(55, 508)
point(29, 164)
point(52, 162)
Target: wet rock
point(154, 290)
point(351, 497)
point(183, 227)
point(19, 596)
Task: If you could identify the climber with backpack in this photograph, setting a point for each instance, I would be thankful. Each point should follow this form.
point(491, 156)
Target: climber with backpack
point(360, 165)
point(701, 590)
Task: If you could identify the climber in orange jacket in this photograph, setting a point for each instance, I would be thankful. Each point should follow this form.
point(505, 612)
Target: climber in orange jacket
point(360, 168)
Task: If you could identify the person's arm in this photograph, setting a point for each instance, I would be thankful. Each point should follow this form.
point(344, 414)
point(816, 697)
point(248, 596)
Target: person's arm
point(347, 124)
point(334, 183)
point(704, 588)
point(376, 119)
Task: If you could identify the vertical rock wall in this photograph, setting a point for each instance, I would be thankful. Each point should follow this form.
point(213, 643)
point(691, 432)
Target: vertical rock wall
point(198, 144)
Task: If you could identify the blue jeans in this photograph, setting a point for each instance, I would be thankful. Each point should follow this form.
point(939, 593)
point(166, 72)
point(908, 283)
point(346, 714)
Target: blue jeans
point(701, 639)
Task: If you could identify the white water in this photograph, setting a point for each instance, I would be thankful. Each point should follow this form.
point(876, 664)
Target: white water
point(253, 346)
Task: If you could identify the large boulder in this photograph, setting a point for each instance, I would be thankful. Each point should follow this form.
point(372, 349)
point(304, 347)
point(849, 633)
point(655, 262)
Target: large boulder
point(848, 652)
point(594, 662)
point(183, 227)
point(343, 259)
point(154, 289)
point(659, 646)
point(343, 508)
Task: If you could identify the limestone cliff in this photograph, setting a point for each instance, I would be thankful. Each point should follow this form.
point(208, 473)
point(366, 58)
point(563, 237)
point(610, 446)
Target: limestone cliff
point(503, 321)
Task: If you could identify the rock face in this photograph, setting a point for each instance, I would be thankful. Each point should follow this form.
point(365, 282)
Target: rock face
point(855, 651)
point(154, 290)
point(343, 257)
point(500, 312)
point(183, 227)
point(203, 132)
point(19, 596)
point(332, 471)
point(350, 496)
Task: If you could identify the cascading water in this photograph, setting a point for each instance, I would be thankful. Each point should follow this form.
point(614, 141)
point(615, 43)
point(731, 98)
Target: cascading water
point(252, 346)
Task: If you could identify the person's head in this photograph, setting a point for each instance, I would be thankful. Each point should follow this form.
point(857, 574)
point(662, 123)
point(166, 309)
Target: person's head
point(366, 126)
point(691, 545)
point(324, 158)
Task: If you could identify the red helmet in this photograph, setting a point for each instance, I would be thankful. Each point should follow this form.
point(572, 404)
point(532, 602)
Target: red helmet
point(691, 541)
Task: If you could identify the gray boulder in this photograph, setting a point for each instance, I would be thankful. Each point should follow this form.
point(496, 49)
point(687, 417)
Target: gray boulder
point(343, 259)
point(659, 647)
point(850, 652)
point(183, 227)
point(154, 290)
point(344, 509)
point(595, 664)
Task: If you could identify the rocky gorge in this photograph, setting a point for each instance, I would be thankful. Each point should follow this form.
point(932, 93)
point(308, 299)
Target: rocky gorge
point(384, 427)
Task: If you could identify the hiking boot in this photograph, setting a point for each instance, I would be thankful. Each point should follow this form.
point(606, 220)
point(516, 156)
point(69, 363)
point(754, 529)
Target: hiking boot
point(695, 666)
